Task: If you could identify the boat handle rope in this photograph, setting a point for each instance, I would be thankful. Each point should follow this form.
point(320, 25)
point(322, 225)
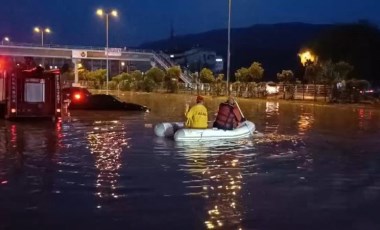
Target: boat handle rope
point(251, 132)
point(200, 137)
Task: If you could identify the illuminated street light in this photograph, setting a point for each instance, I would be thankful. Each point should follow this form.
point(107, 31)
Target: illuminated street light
point(42, 31)
point(307, 57)
point(113, 13)
point(5, 39)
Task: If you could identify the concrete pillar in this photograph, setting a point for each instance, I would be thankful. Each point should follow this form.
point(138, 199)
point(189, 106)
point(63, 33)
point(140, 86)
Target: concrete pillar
point(76, 76)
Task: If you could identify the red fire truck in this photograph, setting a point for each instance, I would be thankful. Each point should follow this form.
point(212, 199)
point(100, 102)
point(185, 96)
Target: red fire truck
point(27, 92)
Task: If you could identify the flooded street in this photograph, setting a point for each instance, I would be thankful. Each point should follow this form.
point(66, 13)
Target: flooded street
point(314, 167)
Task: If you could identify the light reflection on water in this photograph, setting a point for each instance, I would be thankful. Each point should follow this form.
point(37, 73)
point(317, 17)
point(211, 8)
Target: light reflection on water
point(309, 154)
point(305, 122)
point(106, 142)
point(217, 174)
point(271, 115)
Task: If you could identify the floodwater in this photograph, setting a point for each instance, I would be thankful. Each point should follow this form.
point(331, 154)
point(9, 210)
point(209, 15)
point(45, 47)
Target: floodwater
point(314, 167)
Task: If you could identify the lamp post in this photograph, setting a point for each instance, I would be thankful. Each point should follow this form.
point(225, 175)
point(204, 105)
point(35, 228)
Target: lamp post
point(307, 58)
point(5, 39)
point(113, 13)
point(42, 30)
point(229, 46)
point(122, 66)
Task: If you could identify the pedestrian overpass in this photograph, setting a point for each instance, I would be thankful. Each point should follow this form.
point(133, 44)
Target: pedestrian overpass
point(76, 54)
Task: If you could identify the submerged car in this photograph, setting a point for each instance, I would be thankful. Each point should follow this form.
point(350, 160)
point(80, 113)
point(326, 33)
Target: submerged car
point(81, 99)
point(272, 88)
point(75, 94)
point(371, 93)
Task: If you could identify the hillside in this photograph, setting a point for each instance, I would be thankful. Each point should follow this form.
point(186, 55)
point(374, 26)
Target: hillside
point(275, 46)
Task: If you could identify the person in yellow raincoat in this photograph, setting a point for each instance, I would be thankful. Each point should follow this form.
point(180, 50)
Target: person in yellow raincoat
point(196, 116)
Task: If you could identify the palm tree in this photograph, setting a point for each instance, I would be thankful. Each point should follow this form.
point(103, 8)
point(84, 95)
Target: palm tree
point(286, 76)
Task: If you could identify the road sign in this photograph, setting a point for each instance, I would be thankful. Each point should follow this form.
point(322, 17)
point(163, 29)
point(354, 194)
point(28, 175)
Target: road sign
point(113, 52)
point(79, 54)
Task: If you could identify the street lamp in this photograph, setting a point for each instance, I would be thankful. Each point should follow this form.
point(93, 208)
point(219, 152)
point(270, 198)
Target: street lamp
point(229, 46)
point(5, 39)
point(121, 67)
point(307, 57)
point(42, 30)
point(113, 13)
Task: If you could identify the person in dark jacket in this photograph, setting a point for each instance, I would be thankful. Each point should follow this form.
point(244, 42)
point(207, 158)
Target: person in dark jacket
point(228, 116)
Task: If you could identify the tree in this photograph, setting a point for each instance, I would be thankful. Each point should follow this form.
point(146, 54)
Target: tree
point(117, 79)
point(242, 75)
point(173, 73)
point(152, 78)
point(218, 84)
point(171, 78)
point(137, 75)
point(332, 73)
point(246, 75)
point(253, 73)
point(138, 79)
point(83, 75)
point(68, 77)
point(156, 74)
point(313, 73)
point(342, 69)
point(128, 82)
point(99, 76)
point(256, 72)
point(285, 76)
point(207, 76)
point(149, 84)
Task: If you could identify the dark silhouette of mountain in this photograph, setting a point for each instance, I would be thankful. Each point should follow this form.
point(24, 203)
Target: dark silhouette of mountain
point(357, 44)
point(275, 46)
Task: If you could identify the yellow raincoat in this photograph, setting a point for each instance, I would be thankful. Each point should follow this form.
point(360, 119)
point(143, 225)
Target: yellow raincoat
point(197, 117)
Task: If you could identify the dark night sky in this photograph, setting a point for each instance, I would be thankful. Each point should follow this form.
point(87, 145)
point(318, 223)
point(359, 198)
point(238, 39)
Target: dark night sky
point(75, 22)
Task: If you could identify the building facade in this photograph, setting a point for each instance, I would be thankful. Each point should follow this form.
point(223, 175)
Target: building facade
point(197, 58)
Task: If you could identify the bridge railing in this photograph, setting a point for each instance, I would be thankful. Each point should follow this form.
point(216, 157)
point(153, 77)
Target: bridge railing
point(165, 62)
point(33, 45)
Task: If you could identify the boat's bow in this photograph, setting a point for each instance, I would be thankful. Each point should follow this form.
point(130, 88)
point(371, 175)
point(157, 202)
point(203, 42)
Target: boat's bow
point(167, 129)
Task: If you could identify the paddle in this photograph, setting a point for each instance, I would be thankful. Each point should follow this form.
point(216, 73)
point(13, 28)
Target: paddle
point(237, 104)
point(242, 115)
